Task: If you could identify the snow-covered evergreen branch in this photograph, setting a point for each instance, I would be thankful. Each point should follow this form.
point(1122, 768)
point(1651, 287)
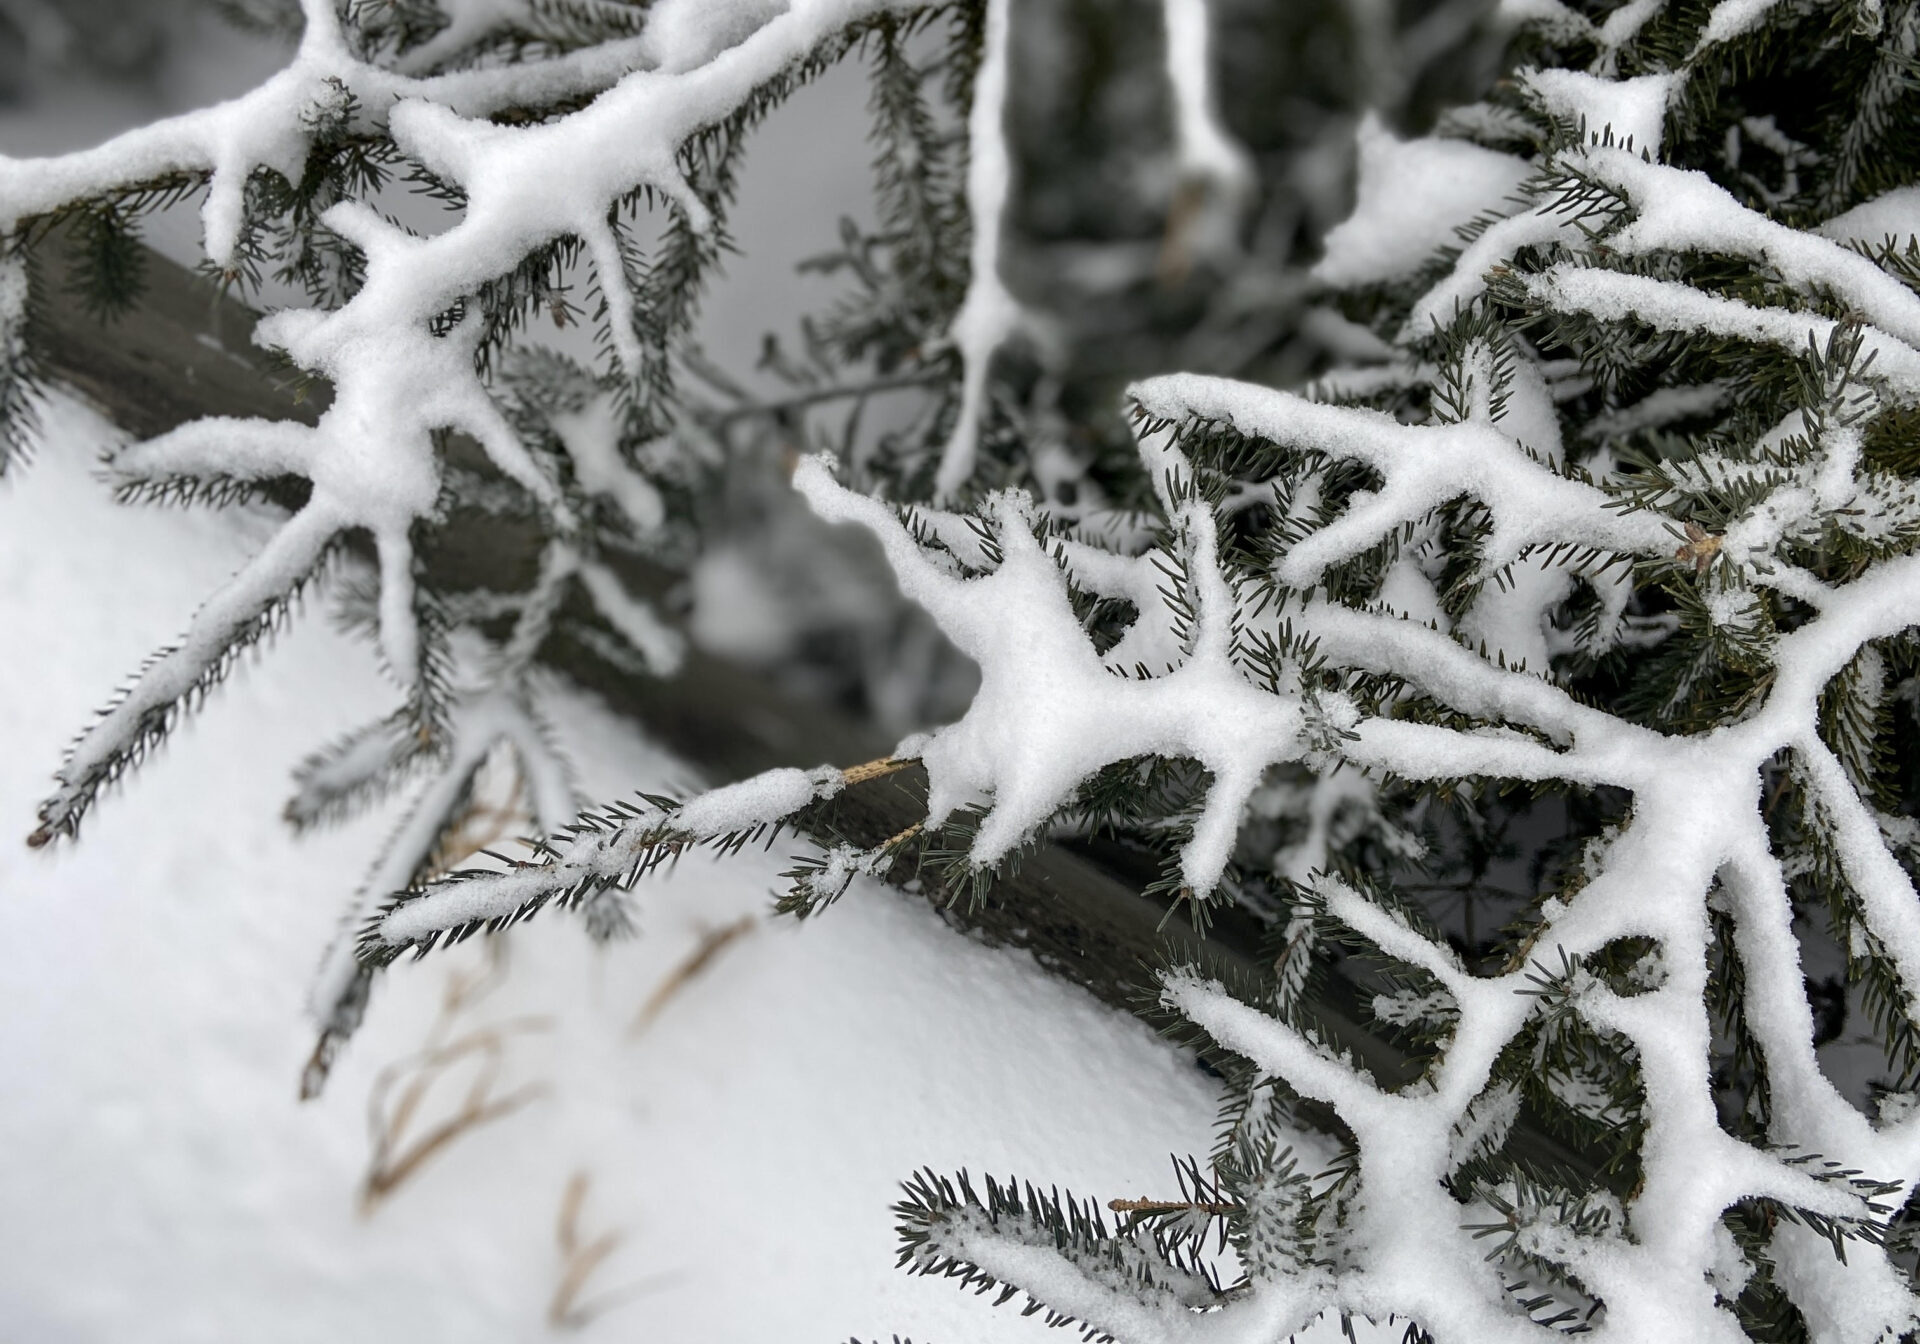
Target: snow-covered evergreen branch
point(1617, 504)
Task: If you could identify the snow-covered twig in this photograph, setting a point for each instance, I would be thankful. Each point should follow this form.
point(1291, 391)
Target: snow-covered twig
point(990, 315)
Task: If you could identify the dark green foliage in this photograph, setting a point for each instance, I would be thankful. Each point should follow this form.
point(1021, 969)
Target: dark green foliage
point(109, 266)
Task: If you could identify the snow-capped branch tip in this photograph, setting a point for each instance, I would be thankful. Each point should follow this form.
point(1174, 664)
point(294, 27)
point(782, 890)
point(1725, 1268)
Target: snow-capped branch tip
point(245, 610)
point(601, 850)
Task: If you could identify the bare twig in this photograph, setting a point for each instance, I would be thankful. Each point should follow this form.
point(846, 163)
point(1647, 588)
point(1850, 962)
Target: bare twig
point(803, 400)
point(880, 769)
point(1217, 1210)
point(711, 944)
point(396, 1155)
point(579, 1258)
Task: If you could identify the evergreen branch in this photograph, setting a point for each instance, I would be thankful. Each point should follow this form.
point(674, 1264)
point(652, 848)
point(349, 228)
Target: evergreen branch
point(249, 607)
point(1075, 1270)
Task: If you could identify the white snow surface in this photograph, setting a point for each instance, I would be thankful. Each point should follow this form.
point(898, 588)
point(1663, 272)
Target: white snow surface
point(164, 1185)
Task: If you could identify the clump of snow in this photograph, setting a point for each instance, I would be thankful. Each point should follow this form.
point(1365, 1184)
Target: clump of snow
point(755, 802)
point(591, 437)
point(682, 34)
point(661, 646)
point(736, 613)
point(1412, 194)
point(1891, 216)
point(1634, 110)
point(1733, 18)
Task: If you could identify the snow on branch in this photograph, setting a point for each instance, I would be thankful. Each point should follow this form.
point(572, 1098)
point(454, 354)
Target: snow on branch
point(494, 715)
point(1394, 594)
point(241, 613)
point(595, 853)
point(1257, 645)
point(1203, 145)
point(403, 352)
point(989, 315)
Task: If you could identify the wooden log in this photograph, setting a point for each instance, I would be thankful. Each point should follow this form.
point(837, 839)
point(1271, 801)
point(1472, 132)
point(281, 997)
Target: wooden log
point(186, 352)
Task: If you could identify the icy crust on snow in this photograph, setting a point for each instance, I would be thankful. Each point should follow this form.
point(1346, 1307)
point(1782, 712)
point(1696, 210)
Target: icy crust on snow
point(1412, 195)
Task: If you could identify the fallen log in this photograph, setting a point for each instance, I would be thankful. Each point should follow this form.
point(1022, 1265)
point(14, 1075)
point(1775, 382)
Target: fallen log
point(185, 351)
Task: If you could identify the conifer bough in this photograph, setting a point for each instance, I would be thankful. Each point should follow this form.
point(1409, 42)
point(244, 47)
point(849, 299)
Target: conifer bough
point(1614, 500)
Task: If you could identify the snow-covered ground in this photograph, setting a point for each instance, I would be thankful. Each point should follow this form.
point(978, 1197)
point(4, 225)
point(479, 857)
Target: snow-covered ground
point(163, 1184)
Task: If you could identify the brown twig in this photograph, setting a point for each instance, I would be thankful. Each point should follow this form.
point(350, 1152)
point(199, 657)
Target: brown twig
point(395, 1157)
point(1216, 1210)
point(1700, 548)
point(901, 836)
point(579, 1259)
point(711, 944)
point(866, 770)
